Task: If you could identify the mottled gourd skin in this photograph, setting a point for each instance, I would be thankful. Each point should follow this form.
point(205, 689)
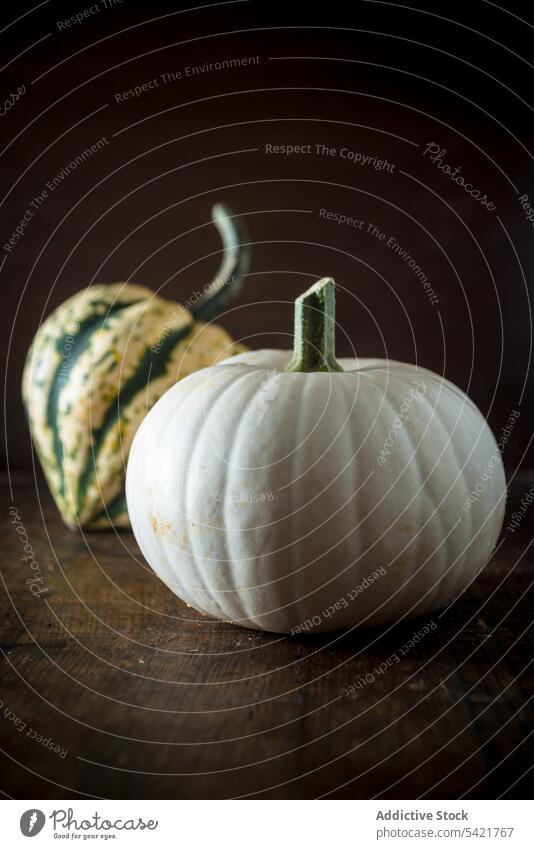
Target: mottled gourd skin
point(98, 364)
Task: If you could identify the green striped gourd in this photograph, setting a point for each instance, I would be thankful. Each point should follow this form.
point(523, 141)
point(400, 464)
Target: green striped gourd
point(98, 364)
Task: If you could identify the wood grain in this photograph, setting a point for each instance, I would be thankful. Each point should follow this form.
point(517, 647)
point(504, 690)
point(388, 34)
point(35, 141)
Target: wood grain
point(152, 700)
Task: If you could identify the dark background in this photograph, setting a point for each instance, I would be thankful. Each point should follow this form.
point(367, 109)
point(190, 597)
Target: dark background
point(148, 698)
point(387, 82)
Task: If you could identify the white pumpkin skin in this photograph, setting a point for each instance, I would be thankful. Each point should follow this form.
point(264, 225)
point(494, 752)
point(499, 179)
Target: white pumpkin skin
point(257, 495)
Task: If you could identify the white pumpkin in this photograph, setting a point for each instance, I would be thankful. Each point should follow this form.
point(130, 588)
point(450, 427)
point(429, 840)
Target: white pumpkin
point(314, 498)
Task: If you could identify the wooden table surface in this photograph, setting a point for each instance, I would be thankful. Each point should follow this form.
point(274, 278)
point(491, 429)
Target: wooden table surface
point(111, 687)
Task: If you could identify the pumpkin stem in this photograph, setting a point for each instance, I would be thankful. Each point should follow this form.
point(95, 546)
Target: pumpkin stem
point(315, 329)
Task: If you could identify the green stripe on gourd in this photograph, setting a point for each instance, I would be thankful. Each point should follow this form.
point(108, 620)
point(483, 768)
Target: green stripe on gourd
point(98, 364)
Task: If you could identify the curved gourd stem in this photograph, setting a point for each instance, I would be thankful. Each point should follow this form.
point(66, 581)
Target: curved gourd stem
point(234, 265)
point(315, 329)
